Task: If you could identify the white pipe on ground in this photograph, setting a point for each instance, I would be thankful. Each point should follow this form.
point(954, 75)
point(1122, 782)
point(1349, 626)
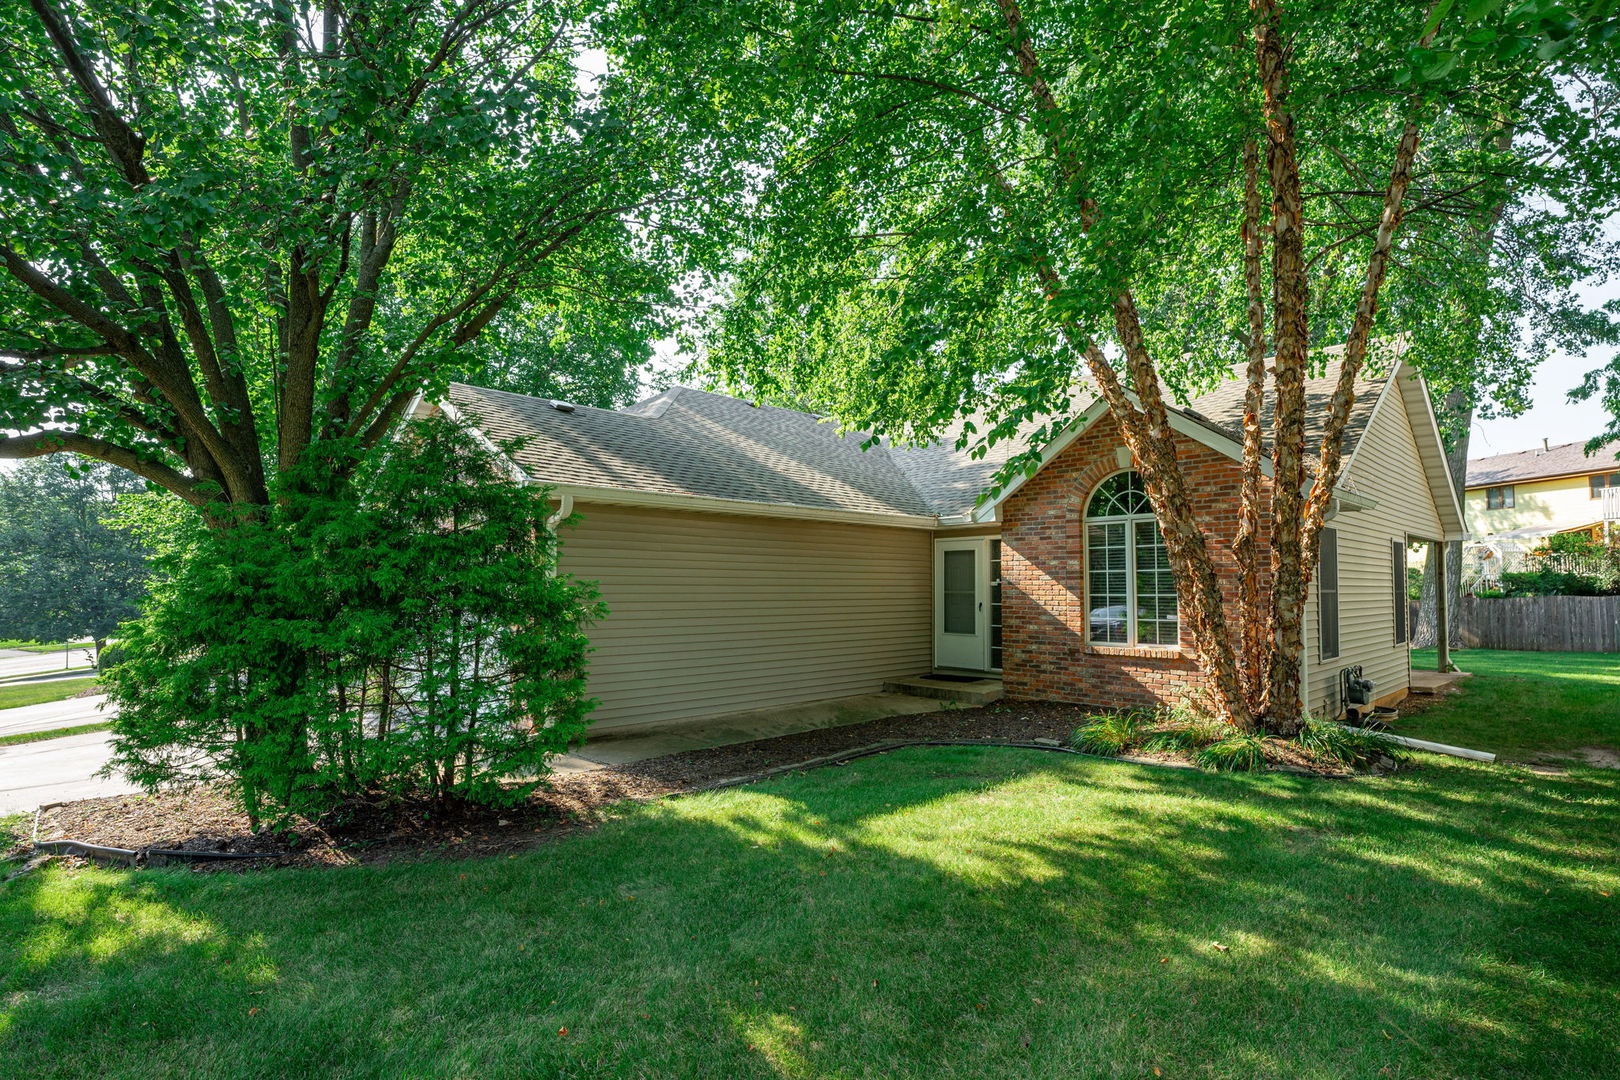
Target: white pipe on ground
point(1435, 748)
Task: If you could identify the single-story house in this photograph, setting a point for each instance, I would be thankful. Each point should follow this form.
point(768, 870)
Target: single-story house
point(752, 556)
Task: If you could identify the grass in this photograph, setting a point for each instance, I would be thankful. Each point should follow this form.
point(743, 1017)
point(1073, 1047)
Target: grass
point(1525, 706)
point(1238, 752)
point(54, 733)
point(933, 912)
point(14, 697)
point(1110, 734)
point(30, 675)
point(34, 646)
point(14, 828)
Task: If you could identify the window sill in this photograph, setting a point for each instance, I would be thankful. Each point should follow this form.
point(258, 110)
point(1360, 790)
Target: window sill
point(1143, 652)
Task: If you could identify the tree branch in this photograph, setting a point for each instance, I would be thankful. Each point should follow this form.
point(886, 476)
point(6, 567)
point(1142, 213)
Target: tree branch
point(40, 443)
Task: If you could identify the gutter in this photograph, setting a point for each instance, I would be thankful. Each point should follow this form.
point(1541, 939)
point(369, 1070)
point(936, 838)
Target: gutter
point(631, 497)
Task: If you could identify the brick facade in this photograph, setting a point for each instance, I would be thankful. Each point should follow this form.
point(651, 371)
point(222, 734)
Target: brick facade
point(1045, 614)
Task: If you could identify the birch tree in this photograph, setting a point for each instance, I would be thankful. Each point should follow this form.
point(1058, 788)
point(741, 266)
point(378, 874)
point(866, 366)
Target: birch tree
point(964, 209)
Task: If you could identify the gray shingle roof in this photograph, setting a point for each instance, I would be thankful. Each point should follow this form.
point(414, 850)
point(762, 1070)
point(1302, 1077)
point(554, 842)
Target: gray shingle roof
point(691, 442)
point(1562, 460)
point(695, 443)
point(1224, 406)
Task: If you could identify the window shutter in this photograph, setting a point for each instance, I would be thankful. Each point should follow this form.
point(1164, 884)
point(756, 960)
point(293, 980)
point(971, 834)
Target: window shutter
point(1327, 594)
point(1397, 552)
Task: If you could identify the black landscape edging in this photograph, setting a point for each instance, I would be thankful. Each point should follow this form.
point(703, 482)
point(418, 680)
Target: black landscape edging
point(149, 856)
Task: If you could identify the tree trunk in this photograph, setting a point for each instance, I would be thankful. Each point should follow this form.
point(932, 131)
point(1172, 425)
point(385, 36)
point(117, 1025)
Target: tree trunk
point(1290, 302)
point(1424, 634)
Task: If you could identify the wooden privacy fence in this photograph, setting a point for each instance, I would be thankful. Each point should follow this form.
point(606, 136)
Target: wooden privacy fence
point(1541, 623)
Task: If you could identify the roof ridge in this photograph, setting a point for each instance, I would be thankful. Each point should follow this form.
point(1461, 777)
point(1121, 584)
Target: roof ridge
point(531, 397)
point(1544, 450)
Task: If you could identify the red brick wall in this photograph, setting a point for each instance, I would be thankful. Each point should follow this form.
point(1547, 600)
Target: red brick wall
point(1045, 652)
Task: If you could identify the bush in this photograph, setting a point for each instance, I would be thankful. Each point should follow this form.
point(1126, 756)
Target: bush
point(1349, 746)
point(1572, 543)
point(1550, 582)
point(1237, 752)
point(1192, 731)
point(1109, 734)
point(412, 642)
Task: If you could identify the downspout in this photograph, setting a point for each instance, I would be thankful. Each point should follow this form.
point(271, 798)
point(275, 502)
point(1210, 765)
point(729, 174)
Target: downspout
point(565, 506)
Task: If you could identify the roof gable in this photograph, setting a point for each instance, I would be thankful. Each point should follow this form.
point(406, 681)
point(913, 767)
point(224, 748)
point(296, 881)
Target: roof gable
point(1216, 420)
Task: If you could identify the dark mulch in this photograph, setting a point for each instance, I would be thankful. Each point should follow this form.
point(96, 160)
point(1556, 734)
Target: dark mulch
point(205, 820)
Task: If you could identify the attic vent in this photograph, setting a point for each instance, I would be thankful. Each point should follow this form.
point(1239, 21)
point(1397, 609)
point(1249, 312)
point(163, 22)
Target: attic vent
point(562, 406)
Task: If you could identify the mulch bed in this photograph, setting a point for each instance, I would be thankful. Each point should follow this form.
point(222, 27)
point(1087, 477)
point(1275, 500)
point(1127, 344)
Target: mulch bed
point(205, 820)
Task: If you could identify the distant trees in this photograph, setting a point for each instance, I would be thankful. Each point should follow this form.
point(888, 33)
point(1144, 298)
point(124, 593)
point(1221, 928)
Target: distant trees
point(67, 573)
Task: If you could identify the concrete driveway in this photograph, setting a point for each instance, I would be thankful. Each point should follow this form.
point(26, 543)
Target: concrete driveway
point(57, 770)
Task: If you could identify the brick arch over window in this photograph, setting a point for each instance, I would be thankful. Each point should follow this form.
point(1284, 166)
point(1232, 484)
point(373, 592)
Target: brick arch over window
point(1046, 620)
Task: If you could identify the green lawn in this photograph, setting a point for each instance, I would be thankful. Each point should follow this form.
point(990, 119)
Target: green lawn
point(53, 733)
point(935, 912)
point(1525, 706)
point(34, 646)
point(12, 697)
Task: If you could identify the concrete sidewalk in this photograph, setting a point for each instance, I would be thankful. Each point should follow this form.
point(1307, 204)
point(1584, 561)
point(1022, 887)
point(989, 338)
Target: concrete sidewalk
point(21, 662)
point(69, 712)
point(655, 740)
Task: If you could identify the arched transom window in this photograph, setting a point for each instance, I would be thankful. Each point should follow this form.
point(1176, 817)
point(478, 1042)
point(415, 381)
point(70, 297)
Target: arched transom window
point(1131, 592)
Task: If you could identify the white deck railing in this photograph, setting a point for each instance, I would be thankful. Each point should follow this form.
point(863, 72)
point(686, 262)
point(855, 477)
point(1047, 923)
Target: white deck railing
point(1611, 504)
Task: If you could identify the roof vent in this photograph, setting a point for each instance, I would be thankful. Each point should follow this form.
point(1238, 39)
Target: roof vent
point(562, 406)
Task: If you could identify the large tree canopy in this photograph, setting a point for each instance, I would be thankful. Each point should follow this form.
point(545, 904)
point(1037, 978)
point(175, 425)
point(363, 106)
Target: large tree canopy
point(68, 573)
point(235, 229)
point(964, 208)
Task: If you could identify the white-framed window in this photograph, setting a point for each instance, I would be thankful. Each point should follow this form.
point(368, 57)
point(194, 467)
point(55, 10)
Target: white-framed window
point(1130, 589)
point(1327, 595)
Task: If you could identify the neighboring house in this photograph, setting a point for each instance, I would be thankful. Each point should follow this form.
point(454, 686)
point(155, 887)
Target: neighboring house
point(753, 557)
point(1514, 501)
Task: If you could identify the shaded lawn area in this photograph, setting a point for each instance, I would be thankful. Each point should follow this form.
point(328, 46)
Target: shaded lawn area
point(13, 697)
point(1525, 706)
point(933, 912)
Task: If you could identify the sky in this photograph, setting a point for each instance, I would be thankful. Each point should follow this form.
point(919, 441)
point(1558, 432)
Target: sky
point(1552, 416)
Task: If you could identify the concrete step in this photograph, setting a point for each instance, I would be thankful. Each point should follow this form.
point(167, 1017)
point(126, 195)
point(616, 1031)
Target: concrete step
point(1435, 682)
point(977, 692)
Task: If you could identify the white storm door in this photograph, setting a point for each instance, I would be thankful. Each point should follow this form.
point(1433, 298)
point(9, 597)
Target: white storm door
point(961, 603)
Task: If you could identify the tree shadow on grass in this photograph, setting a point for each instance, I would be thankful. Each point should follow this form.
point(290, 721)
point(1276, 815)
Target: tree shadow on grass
point(931, 912)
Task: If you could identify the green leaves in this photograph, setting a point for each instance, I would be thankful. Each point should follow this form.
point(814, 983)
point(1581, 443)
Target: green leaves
point(904, 192)
point(67, 573)
point(332, 217)
point(414, 643)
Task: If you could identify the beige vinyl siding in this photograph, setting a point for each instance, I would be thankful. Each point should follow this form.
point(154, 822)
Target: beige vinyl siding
point(717, 613)
point(1387, 467)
